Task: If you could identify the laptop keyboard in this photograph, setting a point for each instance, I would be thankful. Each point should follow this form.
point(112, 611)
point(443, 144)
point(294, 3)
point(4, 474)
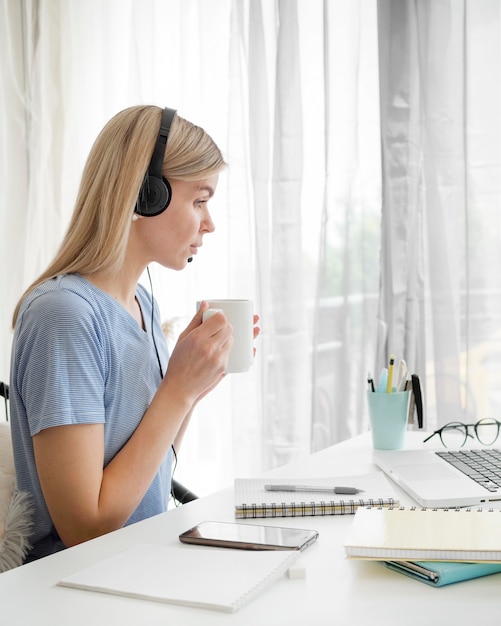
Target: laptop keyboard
point(483, 466)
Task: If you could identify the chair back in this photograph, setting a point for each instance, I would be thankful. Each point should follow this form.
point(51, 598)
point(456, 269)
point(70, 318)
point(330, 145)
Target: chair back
point(16, 513)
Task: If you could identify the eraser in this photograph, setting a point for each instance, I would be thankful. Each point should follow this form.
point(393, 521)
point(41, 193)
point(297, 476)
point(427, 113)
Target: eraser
point(297, 571)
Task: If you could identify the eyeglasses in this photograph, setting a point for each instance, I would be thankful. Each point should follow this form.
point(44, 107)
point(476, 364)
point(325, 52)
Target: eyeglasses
point(455, 434)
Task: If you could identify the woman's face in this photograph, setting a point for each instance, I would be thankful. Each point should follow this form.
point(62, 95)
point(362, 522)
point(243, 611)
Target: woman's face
point(175, 235)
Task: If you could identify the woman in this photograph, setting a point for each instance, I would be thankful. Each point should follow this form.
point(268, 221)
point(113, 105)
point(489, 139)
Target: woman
point(98, 407)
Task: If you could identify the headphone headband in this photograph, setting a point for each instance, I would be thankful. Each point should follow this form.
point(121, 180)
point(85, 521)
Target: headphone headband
point(155, 193)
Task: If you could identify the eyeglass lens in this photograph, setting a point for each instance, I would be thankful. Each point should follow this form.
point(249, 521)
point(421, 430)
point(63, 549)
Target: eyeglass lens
point(454, 435)
point(487, 430)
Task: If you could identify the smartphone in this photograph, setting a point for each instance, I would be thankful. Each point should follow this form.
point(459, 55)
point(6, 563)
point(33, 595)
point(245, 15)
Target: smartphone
point(248, 536)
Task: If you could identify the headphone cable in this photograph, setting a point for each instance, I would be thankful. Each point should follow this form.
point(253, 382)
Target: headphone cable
point(161, 370)
point(152, 322)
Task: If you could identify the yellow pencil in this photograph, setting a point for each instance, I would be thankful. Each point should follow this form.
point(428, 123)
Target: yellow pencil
point(390, 374)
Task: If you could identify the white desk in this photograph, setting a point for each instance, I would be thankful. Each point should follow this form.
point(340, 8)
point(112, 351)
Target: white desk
point(335, 590)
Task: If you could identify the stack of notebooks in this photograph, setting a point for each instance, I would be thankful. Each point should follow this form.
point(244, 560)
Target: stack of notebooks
point(253, 500)
point(436, 546)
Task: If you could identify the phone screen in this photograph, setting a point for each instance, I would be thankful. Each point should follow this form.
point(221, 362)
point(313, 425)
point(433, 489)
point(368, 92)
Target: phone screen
point(249, 536)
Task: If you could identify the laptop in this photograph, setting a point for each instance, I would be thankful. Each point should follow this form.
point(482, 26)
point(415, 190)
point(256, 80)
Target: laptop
point(434, 482)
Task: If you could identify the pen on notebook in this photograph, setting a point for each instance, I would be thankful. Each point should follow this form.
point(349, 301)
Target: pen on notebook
point(390, 374)
point(316, 488)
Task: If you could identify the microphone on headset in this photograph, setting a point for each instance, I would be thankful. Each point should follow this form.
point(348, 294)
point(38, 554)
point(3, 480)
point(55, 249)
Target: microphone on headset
point(190, 259)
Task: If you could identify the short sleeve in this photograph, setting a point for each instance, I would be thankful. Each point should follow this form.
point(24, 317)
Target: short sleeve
point(61, 365)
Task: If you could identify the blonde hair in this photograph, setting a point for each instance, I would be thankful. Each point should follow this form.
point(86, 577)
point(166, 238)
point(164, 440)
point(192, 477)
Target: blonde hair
point(97, 235)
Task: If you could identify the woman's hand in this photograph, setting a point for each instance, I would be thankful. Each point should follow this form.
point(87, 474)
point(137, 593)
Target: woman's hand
point(199, 359)
point(213, 338)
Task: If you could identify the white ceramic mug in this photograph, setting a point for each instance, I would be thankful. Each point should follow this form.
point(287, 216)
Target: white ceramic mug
point(240, 314)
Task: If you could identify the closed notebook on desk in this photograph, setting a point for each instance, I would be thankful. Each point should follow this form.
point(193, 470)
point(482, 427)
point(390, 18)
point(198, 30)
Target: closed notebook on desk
point(211, 578)
point(413, 534)
point(252, 500)
point(441, 573)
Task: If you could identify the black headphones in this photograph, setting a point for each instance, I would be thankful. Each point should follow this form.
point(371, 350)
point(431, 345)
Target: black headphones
point(155, 193)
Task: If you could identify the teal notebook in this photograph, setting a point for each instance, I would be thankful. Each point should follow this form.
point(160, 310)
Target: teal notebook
point(440, 573)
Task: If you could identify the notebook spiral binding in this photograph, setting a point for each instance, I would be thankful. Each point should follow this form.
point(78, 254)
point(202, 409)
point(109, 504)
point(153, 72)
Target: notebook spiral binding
point(424, 508)
point(307, 509)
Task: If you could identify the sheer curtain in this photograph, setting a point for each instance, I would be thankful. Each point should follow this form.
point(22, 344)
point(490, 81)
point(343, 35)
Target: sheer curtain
point(347, 272)
point(289, 91)
point(326, 111)
point(441, 259)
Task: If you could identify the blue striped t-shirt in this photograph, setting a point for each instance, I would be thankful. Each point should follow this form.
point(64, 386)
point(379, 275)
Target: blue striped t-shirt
point(78, 357)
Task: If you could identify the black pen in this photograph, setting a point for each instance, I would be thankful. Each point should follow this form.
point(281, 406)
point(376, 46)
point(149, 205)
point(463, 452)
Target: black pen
point(370, 382)
point(338, 490)
point(416, 390)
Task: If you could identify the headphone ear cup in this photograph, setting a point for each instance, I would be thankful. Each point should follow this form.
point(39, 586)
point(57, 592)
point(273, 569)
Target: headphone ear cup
point(155, 193)
point(154, 197)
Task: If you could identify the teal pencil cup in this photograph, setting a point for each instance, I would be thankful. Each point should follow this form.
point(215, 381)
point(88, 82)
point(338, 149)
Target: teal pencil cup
point(388, 413)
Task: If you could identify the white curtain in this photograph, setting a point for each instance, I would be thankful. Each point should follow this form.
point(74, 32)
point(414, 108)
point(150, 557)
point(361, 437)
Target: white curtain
point(441, 260)
point(323, 108)
point(344, 301)
point(297, 213)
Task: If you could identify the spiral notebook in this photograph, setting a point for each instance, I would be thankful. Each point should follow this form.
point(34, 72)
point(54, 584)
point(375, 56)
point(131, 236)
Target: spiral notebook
point(252, 500)
point(415, 534)
point(210, 578)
